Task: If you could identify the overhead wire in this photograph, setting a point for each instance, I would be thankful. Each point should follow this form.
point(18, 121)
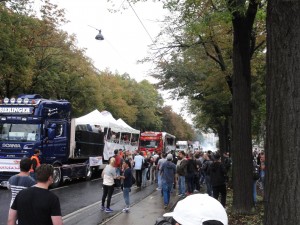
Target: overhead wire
point(141, 22)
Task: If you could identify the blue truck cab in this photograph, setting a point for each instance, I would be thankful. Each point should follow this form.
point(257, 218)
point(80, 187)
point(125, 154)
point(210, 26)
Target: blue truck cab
point(30, 122)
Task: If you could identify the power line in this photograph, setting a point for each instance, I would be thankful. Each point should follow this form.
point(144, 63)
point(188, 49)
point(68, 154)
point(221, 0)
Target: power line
point(141, 22)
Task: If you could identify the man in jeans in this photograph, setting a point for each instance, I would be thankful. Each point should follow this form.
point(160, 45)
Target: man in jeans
point(168, 171)
point(159, 165)
point(181, 171)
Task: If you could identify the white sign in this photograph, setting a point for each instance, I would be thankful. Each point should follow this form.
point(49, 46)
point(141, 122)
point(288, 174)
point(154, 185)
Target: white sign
point(10, 165)
point(17, 110)
point(96, 161)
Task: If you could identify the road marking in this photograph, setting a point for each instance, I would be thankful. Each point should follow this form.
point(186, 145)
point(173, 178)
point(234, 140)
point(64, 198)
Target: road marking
point(58, 188)
point(75, 213)
point(96, 179)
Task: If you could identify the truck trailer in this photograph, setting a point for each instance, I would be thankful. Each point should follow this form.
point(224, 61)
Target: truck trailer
point(31, 122)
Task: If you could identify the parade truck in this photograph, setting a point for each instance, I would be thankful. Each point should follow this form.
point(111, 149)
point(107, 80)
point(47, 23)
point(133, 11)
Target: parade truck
point(182, 146)
point(161, 142)
point(31, 122)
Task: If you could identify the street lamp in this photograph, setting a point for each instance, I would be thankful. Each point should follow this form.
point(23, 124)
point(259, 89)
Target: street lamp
point(99, 36)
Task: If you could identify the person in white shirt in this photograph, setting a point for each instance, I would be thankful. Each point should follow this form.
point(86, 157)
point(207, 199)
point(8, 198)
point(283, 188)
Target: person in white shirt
point(108, 175)
point(138, 162)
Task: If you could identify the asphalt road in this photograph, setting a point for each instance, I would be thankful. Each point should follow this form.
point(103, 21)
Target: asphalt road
point(73, 196)
point(80, 201)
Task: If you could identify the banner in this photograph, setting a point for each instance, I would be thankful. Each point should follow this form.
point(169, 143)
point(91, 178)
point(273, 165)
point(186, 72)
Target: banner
point(96, 161)
point(10, 165)
point(109, 148)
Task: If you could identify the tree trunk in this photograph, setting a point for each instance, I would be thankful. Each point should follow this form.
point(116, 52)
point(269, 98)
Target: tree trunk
point(223, 133)
point(282, 198)
point(241, 124)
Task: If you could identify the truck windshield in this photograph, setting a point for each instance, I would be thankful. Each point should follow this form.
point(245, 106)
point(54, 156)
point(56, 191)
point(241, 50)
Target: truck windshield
point(19, 132)
point(149, 144)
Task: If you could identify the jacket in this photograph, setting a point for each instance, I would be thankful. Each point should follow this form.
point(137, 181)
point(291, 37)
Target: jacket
point(217, 173)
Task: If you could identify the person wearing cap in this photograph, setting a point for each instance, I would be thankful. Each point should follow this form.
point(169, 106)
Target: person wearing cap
point(168, 171)
point(199, 209)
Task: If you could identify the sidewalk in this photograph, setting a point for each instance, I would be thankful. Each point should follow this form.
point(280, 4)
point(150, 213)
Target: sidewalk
point(144, 212)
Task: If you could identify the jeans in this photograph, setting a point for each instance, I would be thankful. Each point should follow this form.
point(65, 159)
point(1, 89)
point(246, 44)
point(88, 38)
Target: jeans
point(159, 180)
point(144, 177)
point(118, 171)
point(254, 191)
point(126, 196)
point(208, 185)
point(107, 192)
point(181, 185)
point(166, 187)
point(220, 190)
point(202, 177)
point(153, 173)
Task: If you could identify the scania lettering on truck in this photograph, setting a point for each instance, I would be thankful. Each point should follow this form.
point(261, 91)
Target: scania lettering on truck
point(31, 122)
point(161, 142)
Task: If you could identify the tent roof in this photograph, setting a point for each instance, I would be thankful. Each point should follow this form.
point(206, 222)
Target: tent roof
point(96, 118)
point(121, 122)
point(105, 119)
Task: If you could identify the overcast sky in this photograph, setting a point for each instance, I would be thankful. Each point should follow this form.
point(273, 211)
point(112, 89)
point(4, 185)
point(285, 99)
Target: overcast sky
point(125, 39)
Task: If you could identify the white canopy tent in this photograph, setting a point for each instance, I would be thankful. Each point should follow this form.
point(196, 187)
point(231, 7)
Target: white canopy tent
point(96, 118)
point(106, 120)
point(131, 130)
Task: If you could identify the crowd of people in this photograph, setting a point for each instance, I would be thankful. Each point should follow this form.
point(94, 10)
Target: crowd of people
point(186, 173)
point(182, 173)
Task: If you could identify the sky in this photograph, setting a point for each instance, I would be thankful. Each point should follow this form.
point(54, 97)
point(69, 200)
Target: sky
point(126, 40)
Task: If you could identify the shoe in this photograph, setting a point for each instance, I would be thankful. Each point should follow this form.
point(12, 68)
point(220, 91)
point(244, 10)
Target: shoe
point(158, 189)
point(108, 210)
point(165, 206)
point(125, 210)
point(102, 208)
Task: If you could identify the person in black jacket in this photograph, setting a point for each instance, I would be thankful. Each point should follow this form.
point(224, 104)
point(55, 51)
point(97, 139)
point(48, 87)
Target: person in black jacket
point(217, 173)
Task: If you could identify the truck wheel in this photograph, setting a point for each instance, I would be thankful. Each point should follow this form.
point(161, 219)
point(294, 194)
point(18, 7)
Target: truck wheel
point(56, 177)
point(88, 173)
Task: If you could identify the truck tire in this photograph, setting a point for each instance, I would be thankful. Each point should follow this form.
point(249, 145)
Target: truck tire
point(56, 177)
point(89, 173)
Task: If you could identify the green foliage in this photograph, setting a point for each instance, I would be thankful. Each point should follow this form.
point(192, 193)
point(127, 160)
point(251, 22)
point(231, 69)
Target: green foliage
point(37, 57)
point(176, 125)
